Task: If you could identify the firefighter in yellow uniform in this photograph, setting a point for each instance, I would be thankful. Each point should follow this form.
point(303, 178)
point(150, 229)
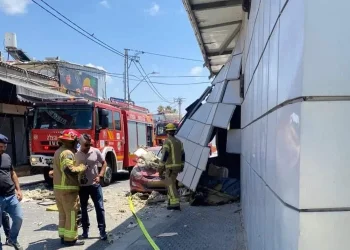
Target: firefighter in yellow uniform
point(66, 187)
point(172, 162)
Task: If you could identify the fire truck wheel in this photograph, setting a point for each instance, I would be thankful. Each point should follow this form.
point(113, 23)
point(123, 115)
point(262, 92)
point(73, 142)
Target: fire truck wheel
point(48, 179)
point(107, 179)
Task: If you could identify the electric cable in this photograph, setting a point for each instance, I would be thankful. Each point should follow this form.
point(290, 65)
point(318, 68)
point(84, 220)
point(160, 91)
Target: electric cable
point(94, 39)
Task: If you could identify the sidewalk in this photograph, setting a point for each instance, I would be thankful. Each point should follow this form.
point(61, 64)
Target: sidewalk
point(200, 228)
point(31, 180)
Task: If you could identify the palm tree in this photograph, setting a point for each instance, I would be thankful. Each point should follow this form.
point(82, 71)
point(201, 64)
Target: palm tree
point(160, 109)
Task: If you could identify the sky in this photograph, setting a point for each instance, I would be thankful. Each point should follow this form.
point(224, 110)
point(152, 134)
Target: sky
point(160, 26)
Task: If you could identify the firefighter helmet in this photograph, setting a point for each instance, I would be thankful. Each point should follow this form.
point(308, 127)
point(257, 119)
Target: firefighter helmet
point(69, 135)
point(170, 127)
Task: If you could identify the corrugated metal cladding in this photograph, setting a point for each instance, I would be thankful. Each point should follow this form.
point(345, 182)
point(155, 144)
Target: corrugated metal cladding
point(216, 24)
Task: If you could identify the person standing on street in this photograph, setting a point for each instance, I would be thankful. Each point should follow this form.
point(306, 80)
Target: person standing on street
point(66, 187)
point(6, 226)
point(90, 185)
point(10, 194)
point(172, 162)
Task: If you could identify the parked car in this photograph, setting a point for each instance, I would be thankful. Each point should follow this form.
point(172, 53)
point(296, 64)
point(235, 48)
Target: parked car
point(146, 180)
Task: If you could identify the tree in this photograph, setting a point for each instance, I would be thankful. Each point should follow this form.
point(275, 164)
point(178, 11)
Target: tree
point(160, 109)
point(168, 109)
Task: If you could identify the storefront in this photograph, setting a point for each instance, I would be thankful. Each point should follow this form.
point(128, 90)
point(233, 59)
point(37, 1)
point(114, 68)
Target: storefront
point(19, 89)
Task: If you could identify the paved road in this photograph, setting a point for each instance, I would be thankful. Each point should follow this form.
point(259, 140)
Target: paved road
point(39, 228)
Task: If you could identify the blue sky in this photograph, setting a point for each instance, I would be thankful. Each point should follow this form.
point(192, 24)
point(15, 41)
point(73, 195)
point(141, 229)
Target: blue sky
point(156, 26)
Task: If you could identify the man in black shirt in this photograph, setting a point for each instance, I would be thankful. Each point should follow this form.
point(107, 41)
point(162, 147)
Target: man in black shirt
point(10, 194)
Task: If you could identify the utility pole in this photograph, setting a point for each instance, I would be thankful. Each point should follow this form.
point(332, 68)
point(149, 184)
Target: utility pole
point(179, 101)
point(127, 65)
point(126, 74)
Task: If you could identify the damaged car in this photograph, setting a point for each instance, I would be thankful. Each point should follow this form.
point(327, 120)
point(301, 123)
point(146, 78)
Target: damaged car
point(144, 177)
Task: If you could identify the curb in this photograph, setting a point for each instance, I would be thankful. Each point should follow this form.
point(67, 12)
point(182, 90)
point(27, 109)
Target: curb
point(31, 183)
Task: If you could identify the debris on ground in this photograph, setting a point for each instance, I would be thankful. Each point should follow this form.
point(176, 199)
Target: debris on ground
point(131, 225)
point(39, 193)
point(167, 234)
point(156, 197)
point(140, 197)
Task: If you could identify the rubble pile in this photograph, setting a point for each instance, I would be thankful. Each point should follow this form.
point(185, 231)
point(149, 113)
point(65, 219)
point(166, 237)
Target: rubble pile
point(156, 197)
point(147, 158)
point(39, 193)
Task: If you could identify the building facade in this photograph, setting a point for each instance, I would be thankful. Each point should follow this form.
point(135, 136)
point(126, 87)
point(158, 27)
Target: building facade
point(19, 89)
point(294, 127)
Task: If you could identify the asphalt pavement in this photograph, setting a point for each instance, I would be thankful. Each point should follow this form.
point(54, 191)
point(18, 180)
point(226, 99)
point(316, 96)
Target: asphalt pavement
point(216, 227)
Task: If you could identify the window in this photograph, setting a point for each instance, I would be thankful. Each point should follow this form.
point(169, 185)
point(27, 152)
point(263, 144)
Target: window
point(141, 134)
point(63, 117)
point(110, 119)
point(132, 136)
point(117, 121)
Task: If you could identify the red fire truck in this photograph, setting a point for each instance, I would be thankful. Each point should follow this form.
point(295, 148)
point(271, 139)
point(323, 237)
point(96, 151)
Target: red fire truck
point(118, 129)
point(160, 133)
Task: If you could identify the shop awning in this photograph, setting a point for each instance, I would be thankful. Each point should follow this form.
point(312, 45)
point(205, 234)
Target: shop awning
point(30, 92)
point(217, 25)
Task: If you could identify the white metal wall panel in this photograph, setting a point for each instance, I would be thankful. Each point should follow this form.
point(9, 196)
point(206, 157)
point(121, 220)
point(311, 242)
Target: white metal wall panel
point(196, 132)
point(212, 113)
point(186, 128)
point(204, 159)
point(188, 177)
point(233, 93)
point(222, 74)
point(203, 113)
point(234, 70)
point(291, 52)
point(181, 175)
point(205, 136)
point(223, 115)
point(196, 156)
point(196, 179)
point(233, 144)
point(217, 93)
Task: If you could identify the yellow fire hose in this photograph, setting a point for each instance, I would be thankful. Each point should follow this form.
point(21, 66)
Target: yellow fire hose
point(142, 227)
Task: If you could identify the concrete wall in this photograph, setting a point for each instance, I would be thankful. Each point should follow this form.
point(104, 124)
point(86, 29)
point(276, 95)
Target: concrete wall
point(295, 125)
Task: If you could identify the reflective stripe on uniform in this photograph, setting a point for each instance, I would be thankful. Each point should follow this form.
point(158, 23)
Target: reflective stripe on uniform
point(173, 165)
point(64, 187)
point(72, 221)
point(70, 234)
point(172, 151)
point(61, 231)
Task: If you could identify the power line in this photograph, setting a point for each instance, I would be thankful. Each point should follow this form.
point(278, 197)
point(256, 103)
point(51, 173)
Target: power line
point(136, 79)
point(175, 76)
point(94, 39)
point(168, 56)
point(154, 89)
point(150, 80)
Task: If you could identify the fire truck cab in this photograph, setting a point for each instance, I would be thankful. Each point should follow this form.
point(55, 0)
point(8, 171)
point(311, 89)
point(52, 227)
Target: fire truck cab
point(160, 133)
point(117, 128)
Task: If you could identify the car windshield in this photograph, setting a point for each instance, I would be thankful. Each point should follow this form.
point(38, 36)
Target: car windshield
point(63, 117)
point(156, 151)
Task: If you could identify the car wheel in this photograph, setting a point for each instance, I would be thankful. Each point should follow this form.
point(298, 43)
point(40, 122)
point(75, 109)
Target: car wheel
point(107, 178)
point(47, 178)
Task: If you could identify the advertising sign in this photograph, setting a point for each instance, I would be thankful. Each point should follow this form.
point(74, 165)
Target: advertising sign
point(78, 83)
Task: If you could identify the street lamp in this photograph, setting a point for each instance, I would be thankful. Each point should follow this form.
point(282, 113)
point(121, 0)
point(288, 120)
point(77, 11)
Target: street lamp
point(152, 73)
